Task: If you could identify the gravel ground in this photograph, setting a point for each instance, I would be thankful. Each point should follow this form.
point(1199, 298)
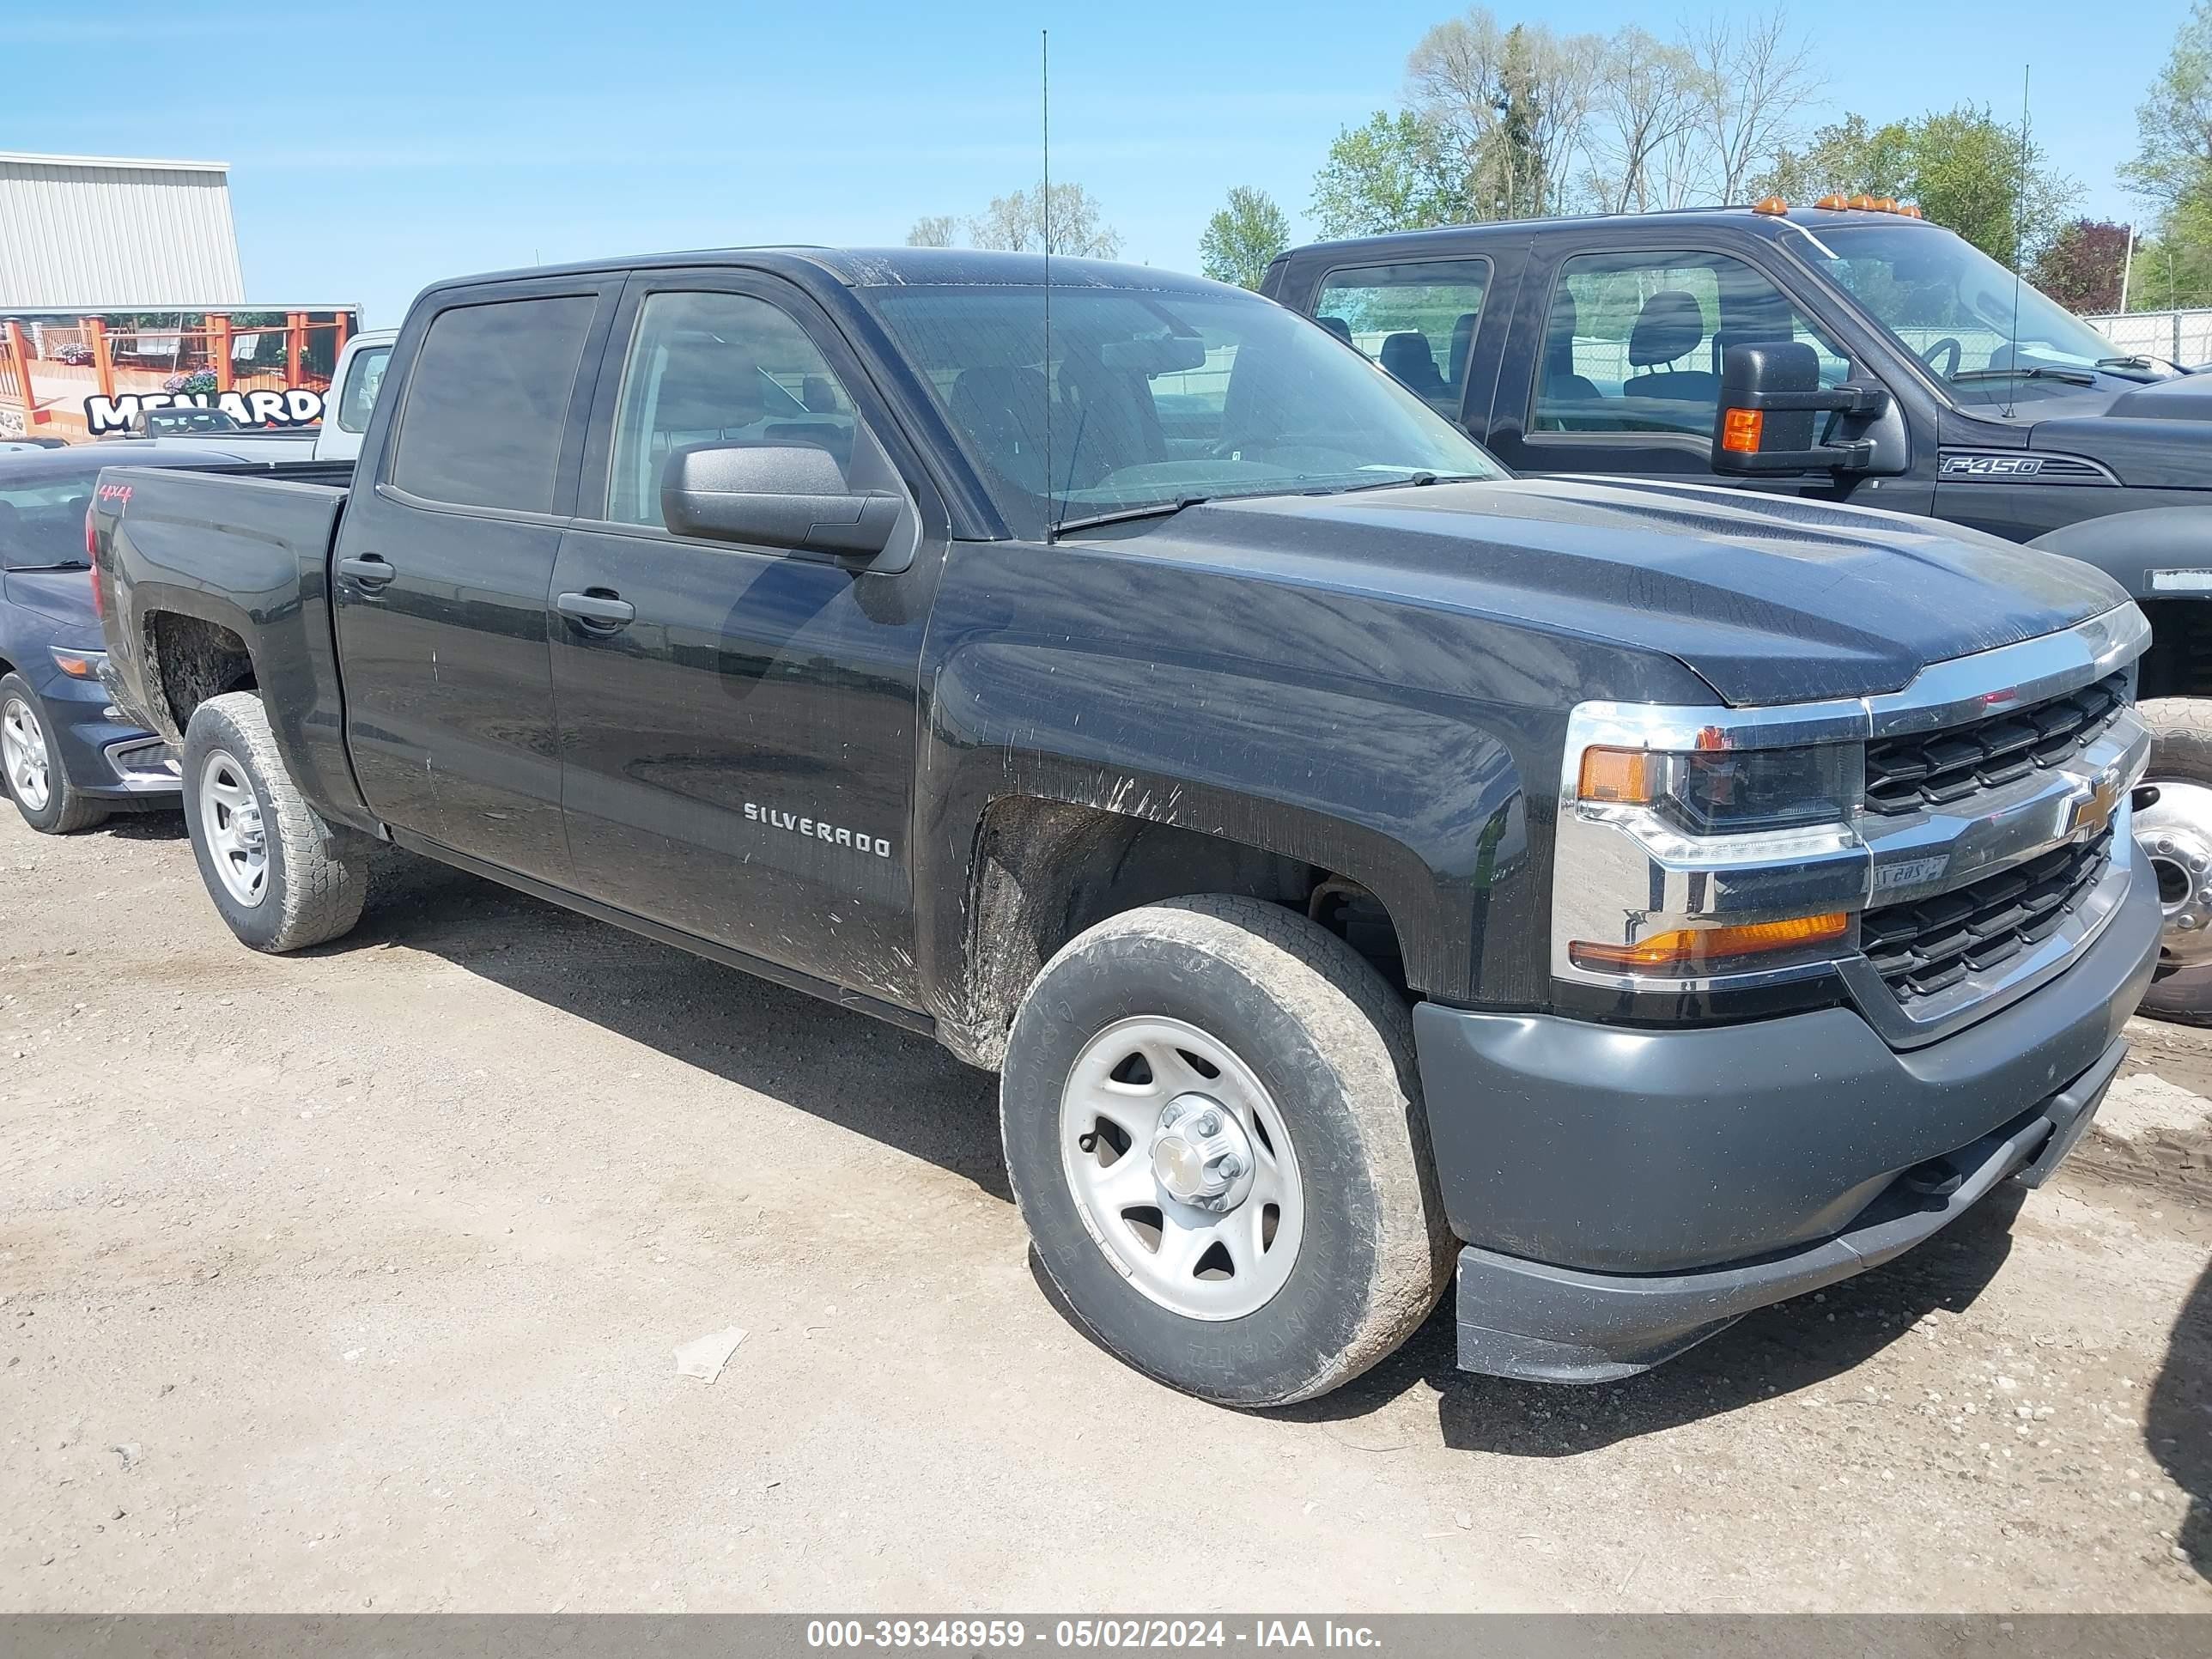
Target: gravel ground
point(354, 1280)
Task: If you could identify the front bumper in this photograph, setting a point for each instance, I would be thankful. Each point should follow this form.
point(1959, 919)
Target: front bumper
point(102, 753)
point(1623, 1193)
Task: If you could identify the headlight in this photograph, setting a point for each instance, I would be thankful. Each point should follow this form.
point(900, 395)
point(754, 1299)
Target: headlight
point(1721, 792)
point(1697, 850)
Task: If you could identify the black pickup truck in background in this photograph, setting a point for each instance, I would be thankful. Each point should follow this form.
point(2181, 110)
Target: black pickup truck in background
point(1942, 385)
point(1644, 902)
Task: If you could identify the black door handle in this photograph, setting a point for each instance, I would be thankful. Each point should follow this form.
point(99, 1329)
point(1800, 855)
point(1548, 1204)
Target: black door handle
point(597, 609)
point(370, 570)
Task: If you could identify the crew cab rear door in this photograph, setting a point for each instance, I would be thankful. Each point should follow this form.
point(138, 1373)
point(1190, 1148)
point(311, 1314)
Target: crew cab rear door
point(737, 722)
point(444, 561)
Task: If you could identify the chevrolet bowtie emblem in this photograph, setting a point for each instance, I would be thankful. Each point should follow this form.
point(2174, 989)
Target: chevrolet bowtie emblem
point(2093, 811)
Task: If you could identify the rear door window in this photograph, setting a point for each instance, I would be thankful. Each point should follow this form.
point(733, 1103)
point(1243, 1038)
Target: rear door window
point(487, 403)
point(1417, 320)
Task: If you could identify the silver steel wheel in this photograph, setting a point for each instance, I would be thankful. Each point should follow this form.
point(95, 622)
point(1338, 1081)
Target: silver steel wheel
point(23, 755)
point(230, 819)
point(2175, 832)
point(1182, 1167)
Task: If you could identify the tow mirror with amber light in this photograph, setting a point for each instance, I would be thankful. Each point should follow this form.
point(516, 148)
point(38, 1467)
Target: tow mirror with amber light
point(1771, 394)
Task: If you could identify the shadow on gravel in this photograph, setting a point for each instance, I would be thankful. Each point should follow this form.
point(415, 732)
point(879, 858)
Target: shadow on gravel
point(845, 1067)
point(2178, 1427)
point(1775, 1351)
point(165, 825)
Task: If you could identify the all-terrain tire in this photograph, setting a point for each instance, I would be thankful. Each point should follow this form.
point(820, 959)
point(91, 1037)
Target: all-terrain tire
point(2181, 750)
point(66, 808)
point(317, 874)
point(1332, 1044)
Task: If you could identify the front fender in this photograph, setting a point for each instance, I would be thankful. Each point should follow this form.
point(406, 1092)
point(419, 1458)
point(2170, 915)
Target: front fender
point(1420, 805)
point(2135, 548)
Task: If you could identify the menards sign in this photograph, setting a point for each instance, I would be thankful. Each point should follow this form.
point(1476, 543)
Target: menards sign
point(86, 375)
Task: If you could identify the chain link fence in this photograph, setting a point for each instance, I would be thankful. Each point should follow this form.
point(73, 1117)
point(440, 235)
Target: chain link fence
point(2181, 336)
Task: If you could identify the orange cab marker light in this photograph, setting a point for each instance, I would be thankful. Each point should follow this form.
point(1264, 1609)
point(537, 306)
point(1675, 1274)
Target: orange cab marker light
point(1740, 429)
point(1911, 209)
point(1615, 774)
point(1864, 203)
point(1885, 204)
point(1835, 201)
point(1681, 947)
point(1773, 206)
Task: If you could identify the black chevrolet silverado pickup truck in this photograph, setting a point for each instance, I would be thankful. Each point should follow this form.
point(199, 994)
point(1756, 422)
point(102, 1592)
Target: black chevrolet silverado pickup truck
point(1942, 385)
point(1363, 866)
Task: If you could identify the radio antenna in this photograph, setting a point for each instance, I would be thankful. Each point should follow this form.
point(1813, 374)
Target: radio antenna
point(1044, 218)
point(2018, 251)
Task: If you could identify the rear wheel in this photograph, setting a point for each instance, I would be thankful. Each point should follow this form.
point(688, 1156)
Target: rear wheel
point(282, 877)
point(2174, 833)
point(31, 766)
point(1214, 1131)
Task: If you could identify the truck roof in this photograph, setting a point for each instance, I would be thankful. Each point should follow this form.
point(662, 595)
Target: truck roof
point(884, 267)
point(1741, 221)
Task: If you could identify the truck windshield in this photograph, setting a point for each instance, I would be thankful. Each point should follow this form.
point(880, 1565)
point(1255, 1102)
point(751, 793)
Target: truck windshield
point(1951, 306)
point(1157, 398)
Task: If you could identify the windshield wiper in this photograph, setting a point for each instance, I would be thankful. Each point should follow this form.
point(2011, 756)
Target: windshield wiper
point(2039, 372)
point(1127, 514)
point(1418, 481)
point(28, 569)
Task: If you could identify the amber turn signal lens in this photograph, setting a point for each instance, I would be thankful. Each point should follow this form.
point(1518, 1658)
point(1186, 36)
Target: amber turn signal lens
point(1616, 775)
point(1690, 947)
point(78, 668)
point(1742, 428)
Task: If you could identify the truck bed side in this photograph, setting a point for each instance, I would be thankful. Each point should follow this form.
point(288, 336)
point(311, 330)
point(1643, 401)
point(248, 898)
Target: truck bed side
point(216, 580)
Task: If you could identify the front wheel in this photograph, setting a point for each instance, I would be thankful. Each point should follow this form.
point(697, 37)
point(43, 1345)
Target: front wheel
point(2173, 833)
point(1213, 1127)
point(31, 769)
point(282, 878)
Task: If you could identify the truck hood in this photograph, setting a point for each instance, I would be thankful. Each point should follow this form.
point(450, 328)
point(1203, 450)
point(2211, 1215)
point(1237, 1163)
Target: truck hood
point(2150, 437)
point(1768, 599)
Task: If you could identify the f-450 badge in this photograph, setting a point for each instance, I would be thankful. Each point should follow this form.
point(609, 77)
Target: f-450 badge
point(1990, 466)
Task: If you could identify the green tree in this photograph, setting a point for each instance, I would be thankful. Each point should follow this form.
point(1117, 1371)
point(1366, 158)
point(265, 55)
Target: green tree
point(1849, 155)
point(2174, 268)
point(2173, 126)
point(1988, 182)
point(1243, 239)
point(1397, 172)
point(1963, 166)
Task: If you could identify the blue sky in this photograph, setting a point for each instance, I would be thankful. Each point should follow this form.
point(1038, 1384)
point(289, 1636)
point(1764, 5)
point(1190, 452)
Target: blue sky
point(376, 147)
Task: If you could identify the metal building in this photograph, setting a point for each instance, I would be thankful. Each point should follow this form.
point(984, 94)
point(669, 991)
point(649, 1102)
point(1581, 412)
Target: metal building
point(100, 233)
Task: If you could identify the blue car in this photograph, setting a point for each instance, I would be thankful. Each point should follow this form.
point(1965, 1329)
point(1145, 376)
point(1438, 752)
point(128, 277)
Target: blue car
point(67, 759)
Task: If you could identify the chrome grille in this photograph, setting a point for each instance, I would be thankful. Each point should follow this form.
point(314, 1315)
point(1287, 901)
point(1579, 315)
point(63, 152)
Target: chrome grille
point(1924, 948)
point(1935, 768)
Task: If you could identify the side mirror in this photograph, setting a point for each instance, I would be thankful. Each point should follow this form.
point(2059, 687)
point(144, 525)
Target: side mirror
point(788, 495)
point(1770, 394)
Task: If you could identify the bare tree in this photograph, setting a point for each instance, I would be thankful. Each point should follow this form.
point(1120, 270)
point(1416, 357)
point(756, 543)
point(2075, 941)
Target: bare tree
point(1513, 104)
point(1753, 80)
point(932, 230)
point(1020, 222)
point(1645, 107)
